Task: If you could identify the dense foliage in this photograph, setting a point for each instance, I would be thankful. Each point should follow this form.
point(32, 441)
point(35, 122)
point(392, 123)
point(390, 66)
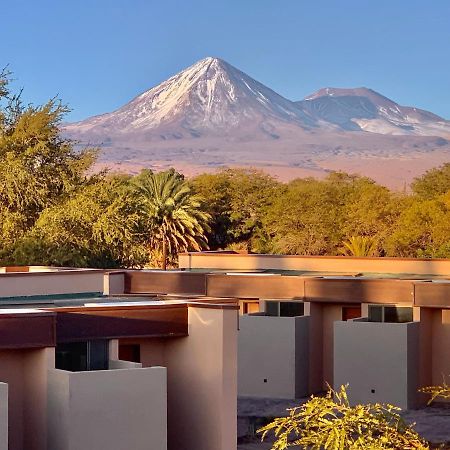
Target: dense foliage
point(55, 210)
point(175, 220)
point(342, 214)
point(330, 422)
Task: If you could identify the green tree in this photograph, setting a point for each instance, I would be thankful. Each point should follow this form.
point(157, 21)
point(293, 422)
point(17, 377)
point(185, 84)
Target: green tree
point(433, 183)
point(237, 200)
point(360, 246)
point(38, 167)
point(314, 217)
point(175, 219)
point(99, 226)
point(330, 423)
point(306, 218)
point(370, 210)
point(422, 230)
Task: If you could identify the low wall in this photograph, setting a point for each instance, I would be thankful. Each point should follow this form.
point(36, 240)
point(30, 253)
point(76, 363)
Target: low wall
point(25, 372)
point(210, 260)
point(379, 361)
point(255, 286)
point(201, 378)
point(118, 364)
point(111, 409)
point(273, 359)
point(45, 283)
point(164, 282)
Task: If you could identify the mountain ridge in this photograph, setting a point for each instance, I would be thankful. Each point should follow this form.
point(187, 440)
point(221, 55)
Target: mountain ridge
point(212, 114)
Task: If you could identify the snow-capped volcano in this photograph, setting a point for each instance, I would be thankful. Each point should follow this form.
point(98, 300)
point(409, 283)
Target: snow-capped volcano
point(367, 110)
point(212, 114)
point(209, 98)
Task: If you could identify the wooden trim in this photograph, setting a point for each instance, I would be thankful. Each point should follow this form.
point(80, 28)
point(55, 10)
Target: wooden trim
point(127, 322)
point(21, 331)
point(359, 290)
point(432, 295)
point(165, 282)
point(255, 286)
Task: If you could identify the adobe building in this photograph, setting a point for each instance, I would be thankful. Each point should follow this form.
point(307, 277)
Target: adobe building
point(83, 370)
point(380, 324)
point(127, 359)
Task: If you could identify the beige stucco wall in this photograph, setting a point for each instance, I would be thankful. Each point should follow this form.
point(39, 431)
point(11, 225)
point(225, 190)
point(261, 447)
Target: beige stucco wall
point(108, 409)
point(273, 356)
point(3, 416)
point(311, 263)
point(118, 364)
point(113, 283)
point(330, 315)
point(440, 346)
point(202, 380)
point(13, 285)
point(434, 344)
point(383, 357)
point(25, 372)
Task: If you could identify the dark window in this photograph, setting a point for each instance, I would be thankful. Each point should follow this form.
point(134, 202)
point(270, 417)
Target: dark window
point(98, 355)
point(272, 308)
point(72, 356)
point(284, 309)
point(398, 315)
point(291, 309)
point(390, 314)
point(130, 352)
point(82, 356)
point(375, 313)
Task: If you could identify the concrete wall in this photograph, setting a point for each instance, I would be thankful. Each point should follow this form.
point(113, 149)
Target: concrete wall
point(25, 372)
point(314, 263)
point(434, 347)
point(110, 409)
point(273, 356)
point(114, 364)
point(330, 315)
point(440, 341)
point(3, 416)
point(39, 283)
point(321, 343)
point(202, 379)
point(114, 283)
point(380, 361)
point(255, 286)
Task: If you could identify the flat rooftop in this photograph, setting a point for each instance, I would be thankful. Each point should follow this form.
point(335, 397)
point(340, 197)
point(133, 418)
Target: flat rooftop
point(321, 274)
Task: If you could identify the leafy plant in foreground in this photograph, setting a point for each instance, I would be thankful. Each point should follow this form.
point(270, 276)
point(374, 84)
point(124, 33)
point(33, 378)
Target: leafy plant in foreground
point(331, 423)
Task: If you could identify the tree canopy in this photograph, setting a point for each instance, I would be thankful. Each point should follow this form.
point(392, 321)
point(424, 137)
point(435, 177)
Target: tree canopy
point(55, 210)
point(173, 214)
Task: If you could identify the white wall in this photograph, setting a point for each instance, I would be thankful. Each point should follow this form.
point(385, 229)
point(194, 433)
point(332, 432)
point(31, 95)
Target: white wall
point(3, 416)
point(377, 356)
point(108, 409)
point(273, 359)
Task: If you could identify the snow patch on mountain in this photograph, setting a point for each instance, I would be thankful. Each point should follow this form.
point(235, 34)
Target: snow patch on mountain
point(367, 110)
point(209, 96)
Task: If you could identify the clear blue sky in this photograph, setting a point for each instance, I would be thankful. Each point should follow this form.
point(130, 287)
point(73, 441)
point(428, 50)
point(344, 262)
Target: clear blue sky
point(98, 54)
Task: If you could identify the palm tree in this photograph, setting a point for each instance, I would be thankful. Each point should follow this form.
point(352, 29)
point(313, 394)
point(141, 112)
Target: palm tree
point(175, 218)
point(360, 246)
